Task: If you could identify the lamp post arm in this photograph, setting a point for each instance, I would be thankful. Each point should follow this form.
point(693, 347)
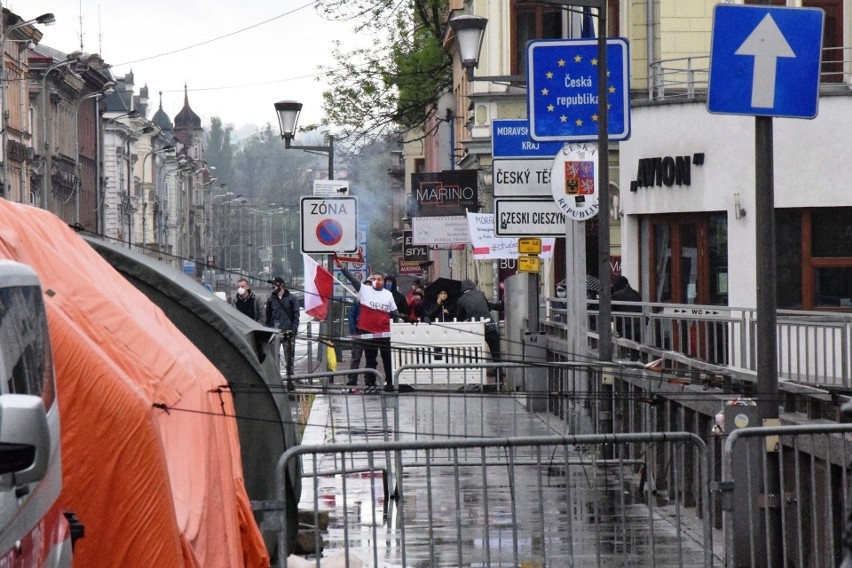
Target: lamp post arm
point(327, 149)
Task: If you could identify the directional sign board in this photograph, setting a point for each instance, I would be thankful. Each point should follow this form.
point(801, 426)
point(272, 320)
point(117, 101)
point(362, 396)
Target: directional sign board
point(765, 61)
point(511, 139)
point(528, 217)
point(517, 178)
point(329, 224)
point(562, 89)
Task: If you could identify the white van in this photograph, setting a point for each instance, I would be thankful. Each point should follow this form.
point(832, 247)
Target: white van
point(33, 528)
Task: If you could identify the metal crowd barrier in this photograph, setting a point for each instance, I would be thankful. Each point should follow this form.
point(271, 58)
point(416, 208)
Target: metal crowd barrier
point(785, 497)
point(516, 501)
point(464, 400)
point(438, 343)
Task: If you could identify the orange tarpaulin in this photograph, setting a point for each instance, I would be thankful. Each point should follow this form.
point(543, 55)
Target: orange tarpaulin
point(151, 458)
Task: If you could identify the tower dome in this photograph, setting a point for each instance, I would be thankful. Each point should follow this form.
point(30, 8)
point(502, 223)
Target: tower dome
point(161, 119)
point(186, 118)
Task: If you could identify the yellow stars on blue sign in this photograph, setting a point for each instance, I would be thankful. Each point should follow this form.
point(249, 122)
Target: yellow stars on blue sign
point(563, 78)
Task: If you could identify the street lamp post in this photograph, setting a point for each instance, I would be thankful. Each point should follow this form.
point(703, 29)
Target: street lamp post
point(164, 149)
point(129, 196)
point(288, 117)
point(469, 32)
point(108, 87)
point(72, 57)
point(45, 19)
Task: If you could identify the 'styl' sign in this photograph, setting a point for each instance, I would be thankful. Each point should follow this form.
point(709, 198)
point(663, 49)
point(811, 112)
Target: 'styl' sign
point(412, 252)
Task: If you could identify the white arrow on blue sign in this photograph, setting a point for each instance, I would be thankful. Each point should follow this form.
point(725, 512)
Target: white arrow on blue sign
point(765, 61)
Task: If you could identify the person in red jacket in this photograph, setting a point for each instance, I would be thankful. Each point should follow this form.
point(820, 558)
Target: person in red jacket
point(376, 308)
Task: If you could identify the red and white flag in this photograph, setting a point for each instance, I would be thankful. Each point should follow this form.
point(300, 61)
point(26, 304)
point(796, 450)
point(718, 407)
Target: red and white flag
point(318, 288)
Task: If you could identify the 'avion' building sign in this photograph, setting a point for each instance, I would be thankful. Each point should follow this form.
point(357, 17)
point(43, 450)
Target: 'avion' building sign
point(666, 171)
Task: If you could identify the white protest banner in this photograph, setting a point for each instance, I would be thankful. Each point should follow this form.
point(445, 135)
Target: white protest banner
point(486, 245)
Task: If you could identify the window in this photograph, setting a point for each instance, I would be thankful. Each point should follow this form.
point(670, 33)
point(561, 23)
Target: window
point(689, 259)
point(26, 345)
point(814, 258)
point(832, 39)
point(543, 21)
point(531, 22)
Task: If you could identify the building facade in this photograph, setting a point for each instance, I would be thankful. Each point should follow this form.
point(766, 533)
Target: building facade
point(672, 243)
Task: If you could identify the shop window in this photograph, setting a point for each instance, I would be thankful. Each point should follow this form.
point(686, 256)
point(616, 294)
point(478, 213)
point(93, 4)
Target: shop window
point(689, 259)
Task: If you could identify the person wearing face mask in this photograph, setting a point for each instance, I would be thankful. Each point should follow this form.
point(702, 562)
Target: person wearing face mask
point(376, 308)
point(246, 301)
point(282, 312)
point(398, 297)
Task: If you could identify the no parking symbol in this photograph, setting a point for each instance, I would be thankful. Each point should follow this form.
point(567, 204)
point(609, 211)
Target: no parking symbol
point(329, 224)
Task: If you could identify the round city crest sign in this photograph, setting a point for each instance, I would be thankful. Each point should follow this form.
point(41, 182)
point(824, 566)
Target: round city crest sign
point(574, 181)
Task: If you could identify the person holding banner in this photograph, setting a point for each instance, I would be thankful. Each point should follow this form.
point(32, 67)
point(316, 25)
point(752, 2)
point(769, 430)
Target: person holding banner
point(376, 308)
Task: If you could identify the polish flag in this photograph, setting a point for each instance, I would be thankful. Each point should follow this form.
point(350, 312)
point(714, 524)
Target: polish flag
point(318, 287)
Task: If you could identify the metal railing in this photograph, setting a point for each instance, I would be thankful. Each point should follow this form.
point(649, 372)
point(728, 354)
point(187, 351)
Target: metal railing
point(686, 77)
point(814, 348)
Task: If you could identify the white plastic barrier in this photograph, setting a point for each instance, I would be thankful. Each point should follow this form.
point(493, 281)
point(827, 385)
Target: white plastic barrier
point(442, 343)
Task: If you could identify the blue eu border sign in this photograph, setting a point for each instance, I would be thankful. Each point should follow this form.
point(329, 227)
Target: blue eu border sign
point(562, 89)
point(765, 61)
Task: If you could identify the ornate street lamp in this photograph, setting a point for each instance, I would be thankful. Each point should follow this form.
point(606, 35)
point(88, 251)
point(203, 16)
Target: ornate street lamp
point(469, 32)
point(288, 116)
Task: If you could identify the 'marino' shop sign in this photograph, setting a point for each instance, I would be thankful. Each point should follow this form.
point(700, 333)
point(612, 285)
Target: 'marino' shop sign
point(447, 193)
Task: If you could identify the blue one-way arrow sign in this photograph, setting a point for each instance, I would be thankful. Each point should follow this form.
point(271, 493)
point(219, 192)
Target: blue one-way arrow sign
point(765, 61)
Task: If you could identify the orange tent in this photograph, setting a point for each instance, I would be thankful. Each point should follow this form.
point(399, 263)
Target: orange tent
point(151, 458)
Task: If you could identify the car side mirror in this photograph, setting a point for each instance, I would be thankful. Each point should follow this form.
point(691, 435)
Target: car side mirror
point(24, 440)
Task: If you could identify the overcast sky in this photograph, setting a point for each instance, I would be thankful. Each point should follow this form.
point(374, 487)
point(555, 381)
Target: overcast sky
point(272, 50)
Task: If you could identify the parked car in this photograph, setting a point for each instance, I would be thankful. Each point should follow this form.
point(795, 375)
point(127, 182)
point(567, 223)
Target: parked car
point(34, 531)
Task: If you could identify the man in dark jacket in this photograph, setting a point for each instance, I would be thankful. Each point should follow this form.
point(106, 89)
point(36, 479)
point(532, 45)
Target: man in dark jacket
point(246, 301)
point(474, 306)
point(282, 312)
point(398, 297)
point(627, 327)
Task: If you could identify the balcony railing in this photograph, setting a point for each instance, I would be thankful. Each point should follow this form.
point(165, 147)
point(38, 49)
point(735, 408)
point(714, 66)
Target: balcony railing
point(684, 78)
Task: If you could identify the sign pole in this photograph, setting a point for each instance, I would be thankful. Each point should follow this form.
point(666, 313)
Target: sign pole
point(604, 266)
point(327, 326)
point(604, 270)
point(767, 363)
